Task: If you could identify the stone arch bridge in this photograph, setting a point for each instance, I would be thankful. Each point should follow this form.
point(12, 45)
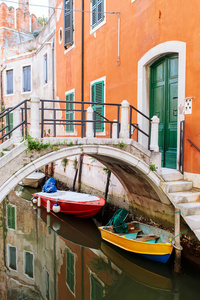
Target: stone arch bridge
point(126, 159)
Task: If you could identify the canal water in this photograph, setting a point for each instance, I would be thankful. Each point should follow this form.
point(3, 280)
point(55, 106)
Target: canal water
point(48, 256)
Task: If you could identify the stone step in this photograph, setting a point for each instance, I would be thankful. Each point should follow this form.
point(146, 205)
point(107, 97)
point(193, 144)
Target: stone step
point(188, 209)
point(171, 175)
point(176, 186)
point(184, 197)
point(193, 222)
point(197, 233)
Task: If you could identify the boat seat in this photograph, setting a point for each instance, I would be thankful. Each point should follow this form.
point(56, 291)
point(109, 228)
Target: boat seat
point(148, 238)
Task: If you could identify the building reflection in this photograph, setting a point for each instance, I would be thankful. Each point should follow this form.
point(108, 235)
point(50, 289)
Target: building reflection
point(48, 256)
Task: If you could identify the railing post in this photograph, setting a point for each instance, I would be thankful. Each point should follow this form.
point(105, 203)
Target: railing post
point(17, 135)
point(115, 130)
point(89, 129)
point(154, 134)
point(124, 131)
point(155, 155)
point(35, 117)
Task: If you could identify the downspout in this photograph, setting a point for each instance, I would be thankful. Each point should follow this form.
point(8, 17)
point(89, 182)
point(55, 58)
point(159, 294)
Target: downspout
point(82, 69)
point(53, 89)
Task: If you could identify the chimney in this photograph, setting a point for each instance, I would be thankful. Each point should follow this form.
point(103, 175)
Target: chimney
point(24, 5)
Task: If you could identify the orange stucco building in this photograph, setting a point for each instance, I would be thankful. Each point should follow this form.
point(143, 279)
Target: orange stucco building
point(146, 52)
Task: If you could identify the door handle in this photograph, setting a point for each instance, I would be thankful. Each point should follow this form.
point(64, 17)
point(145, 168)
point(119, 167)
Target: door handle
point(174, 113)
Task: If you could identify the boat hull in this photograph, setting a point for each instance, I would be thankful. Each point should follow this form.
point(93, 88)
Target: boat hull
point(155, 251)
point(82, 209)
point(33, 180)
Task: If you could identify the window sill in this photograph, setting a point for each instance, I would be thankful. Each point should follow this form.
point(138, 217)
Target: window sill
point(93, 30)
point(70, 48)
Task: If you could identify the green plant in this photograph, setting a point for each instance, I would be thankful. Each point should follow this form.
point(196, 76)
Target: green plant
point(5, 149)
point(152, 167)
point(121, 145)
point(75, 163)
point(35, 144)
point(2, 154)
point(64, 163)
point(106, 170)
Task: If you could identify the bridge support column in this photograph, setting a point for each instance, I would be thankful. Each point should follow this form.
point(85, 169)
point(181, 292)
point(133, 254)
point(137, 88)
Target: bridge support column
point(114, 131)
point(124, 132)
point(17, 135)
point(89, 130)
point(35, 117)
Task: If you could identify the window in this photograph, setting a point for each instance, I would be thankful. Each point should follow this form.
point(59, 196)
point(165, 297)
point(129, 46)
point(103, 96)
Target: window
point(68, 23)
point(9, 122)
point(70, 270)
point(97, 291)
point(45, 69)
point(69, 112)
point(27, 79)
point(12, 257)
point(9, 82)
point(11, 216)
point(97, 96)
point(28, 266)
point(97, 12)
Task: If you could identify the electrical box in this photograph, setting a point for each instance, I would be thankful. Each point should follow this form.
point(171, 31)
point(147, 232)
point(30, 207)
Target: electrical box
point(188, 106)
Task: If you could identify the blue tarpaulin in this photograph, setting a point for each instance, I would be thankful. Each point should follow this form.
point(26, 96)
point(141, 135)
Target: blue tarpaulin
point(50, 186)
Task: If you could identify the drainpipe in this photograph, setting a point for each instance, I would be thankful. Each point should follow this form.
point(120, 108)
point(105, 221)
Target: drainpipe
point(1, 78)
point(82, 68)
point(53, 89)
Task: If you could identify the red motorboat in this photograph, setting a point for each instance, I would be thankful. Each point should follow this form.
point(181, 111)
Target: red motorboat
point(73, 203)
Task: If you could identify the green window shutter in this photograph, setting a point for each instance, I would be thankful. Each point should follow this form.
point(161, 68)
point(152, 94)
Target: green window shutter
point(97, 12)
point(97, 94)
point(70, 270)
point(12, 258)
point(96, 289)
point(10, 122)
point(11, 216)
point(29, 264)
point(68, 22)
point(69, 112)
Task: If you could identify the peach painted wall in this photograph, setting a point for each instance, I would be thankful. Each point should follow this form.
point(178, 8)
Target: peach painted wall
point(144, 24)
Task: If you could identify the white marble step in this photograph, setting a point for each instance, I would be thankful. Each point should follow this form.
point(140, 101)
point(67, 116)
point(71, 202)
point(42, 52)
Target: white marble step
point(188, 209)
point(184, 197)
point(176, 186)
point(171, 174)
point(193, 222)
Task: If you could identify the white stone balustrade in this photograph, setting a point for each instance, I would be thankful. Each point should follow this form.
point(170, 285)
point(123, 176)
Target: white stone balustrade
point(89, 126)
point(35, 117)
point(17, 135)
point(124, 131)
point(154, 134)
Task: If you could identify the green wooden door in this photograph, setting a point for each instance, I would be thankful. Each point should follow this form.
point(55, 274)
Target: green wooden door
point(164, 104)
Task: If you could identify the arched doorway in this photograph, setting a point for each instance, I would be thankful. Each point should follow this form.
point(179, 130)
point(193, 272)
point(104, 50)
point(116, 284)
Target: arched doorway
point(164, 103)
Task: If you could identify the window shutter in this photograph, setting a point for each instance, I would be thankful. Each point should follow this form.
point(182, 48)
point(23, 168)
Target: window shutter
point(98, 97)
point(12, 264)
point(11, 216)
point(96, 289)
point(10, 122)
point(69, 112)
point(70, 270)
point(68, 23)
point(97, 12)
point(9, 75)
point(29, 264)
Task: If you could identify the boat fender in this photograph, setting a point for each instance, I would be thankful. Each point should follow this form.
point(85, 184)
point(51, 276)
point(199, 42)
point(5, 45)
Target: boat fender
point(48, 206)
point(34, 200)
point(56, 207)
point(56, 226)
point(39, 202)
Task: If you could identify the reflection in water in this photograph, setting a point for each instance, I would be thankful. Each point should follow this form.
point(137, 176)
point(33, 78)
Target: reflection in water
point(48, 256)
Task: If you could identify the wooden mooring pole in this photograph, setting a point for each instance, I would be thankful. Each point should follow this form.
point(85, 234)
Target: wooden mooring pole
point(177, 261)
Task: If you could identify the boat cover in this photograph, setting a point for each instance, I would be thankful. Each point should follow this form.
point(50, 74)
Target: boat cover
point(117, 221)
point(50, 186)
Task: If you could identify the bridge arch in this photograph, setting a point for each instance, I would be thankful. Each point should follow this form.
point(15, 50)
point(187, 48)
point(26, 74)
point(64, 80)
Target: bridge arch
point(133, 173)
